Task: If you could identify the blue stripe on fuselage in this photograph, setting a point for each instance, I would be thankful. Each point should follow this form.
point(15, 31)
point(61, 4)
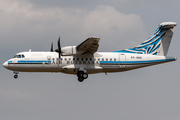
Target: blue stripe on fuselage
point(33, 61)
point(9, 61)
point(132, 62)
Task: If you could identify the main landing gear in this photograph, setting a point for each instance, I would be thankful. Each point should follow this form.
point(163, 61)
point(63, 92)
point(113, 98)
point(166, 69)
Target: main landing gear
point(16, 74)
point(81, 76)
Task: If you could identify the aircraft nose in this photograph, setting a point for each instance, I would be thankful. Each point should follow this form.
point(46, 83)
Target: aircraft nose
point(5, 64)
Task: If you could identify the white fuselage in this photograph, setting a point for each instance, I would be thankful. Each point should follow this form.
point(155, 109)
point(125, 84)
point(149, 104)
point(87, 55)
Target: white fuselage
point(96, 63)
point(83, 58)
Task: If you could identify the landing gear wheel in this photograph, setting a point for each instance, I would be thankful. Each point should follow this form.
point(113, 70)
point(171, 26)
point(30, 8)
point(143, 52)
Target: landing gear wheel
point(80, 73)
point(80, 79)
point(81, 76)
point(85, 75)
point(15, 76)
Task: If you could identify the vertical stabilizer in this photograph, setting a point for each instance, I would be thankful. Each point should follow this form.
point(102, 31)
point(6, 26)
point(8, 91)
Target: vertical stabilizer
point(158, 44)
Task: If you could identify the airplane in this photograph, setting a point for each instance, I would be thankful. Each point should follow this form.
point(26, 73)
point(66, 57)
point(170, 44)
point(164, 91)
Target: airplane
point(84, 59)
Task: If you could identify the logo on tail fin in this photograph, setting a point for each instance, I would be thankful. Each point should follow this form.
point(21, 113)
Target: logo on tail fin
point(157, 44)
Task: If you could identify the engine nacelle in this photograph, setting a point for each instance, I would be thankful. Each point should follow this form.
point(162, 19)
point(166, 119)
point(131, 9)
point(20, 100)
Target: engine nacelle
point(69, 50)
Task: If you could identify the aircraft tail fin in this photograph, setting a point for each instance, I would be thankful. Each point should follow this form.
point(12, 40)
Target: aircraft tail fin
point(158, 44)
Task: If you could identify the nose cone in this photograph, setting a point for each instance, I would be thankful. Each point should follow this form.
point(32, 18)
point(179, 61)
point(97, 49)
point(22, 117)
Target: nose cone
point(5, 65)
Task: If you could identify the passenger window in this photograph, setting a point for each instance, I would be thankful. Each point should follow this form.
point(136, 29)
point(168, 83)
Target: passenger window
point(114, 59)
point(106, 59)
point(94, 59)
point(77, 59)
point(69, 58)
point(102, 59)
point(74, 59)
point(86, 59)
point(110, 59)
point(65, 59)
point(82, 59)
point(98, 59)
point(61, 58)
point(90, 59)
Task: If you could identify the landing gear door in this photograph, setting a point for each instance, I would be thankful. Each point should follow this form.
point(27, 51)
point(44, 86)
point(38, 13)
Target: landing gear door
point(122, 61)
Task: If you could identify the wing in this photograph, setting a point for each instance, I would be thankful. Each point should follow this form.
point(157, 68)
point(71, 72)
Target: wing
point(90, 45)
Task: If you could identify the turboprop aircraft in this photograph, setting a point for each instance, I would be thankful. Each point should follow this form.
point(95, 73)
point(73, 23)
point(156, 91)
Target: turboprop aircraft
point(84, 59)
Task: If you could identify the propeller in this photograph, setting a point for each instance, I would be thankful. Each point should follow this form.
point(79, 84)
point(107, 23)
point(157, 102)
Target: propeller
point(59, 47)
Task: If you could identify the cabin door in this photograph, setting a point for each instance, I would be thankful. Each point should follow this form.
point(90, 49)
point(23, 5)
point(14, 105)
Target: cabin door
point(122, 61)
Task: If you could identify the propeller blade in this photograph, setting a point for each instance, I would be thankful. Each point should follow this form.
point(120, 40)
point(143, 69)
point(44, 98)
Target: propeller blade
point(51, 47)
point(59, 47)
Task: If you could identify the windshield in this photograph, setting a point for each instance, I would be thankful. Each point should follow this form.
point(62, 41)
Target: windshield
point(15, 56)
point(19, 56)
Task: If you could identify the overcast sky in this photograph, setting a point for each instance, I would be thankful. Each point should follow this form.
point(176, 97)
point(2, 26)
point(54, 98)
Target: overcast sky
point(151, 93)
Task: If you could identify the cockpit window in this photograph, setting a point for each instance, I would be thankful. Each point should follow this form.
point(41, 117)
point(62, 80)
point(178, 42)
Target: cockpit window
point(19, 56)
point(15, 56)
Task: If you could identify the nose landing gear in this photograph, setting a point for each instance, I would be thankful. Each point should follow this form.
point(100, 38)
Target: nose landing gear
point(16, 74)
point(81, 76)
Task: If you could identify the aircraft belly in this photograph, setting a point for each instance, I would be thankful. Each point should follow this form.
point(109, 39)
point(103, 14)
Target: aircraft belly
point(13, 67)
point(39, 69)
point(110, 68)
point(74, 68)
point(34, 67)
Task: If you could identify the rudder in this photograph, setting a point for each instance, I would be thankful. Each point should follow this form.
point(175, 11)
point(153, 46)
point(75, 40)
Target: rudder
point(165, 43)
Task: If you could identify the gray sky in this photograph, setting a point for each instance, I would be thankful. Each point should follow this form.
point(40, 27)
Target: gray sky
point(150, 93)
